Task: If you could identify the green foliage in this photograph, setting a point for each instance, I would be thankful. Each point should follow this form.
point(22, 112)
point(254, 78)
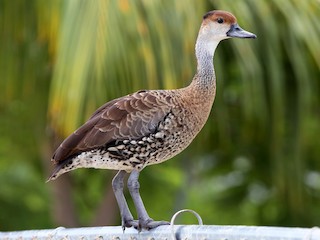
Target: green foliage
point(256, 161)
point(24, 83)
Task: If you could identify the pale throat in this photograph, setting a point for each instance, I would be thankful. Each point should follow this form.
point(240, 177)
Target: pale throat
point(205, 50)
point(205, 77)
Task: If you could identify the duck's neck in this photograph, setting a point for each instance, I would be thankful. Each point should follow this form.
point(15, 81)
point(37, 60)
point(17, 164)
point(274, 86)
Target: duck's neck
point(205, 79)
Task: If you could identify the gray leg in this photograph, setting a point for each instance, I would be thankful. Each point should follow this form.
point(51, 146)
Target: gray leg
point(126, 216)
point(144, 220)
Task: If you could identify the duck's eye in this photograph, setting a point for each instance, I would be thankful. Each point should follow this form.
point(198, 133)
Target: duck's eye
point(220, 20)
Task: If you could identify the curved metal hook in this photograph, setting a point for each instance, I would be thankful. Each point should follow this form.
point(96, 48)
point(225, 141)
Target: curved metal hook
point(200, 222)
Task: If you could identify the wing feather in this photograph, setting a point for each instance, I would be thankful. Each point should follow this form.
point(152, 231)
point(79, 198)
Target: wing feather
point(130, 117)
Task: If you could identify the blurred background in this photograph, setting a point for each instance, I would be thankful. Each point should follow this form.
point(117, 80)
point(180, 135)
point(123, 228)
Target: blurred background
point(256, 162)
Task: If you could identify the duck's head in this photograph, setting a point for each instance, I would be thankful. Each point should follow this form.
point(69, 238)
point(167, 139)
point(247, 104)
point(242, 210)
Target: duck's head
point(218, 25)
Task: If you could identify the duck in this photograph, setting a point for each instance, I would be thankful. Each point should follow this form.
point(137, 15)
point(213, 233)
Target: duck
point(149, 126)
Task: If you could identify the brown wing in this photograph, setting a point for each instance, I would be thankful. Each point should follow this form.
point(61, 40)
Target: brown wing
point(129, 117)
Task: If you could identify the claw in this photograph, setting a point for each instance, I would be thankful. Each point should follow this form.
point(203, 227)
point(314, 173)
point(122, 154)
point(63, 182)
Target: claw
point(127, 223)
point(150, 224)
